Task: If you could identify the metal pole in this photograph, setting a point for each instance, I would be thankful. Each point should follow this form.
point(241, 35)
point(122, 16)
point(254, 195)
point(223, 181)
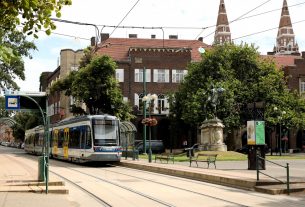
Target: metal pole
point(149, 151)
point(126, 146)
point(288, 187)
point(47, 147)
point(280, 139)
point(257, 170)
point(45, 122)
point(144, 110)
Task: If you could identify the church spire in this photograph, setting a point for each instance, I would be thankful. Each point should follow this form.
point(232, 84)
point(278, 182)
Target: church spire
point(222, 32)
point(285, 41)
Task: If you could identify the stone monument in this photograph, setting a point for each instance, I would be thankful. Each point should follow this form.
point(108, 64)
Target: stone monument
point(212, 130)
point(212, 135)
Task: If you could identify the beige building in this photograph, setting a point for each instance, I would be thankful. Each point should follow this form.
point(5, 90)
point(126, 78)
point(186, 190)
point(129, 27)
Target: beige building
point(59, 104)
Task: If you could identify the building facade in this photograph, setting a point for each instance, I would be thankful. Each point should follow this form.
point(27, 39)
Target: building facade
point(59, 104)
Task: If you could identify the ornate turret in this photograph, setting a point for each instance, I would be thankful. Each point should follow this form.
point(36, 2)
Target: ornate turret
point(285, 41)
point(222, 32)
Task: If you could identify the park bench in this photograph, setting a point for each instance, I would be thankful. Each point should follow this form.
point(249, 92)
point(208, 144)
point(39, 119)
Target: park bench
point(164, 156)
point(202, 157)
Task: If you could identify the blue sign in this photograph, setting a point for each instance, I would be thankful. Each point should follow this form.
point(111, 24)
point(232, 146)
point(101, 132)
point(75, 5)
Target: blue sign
point(12, 102)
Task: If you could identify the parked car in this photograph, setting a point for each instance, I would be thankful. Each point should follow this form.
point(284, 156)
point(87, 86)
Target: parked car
point(157, 146)
point(6, 144)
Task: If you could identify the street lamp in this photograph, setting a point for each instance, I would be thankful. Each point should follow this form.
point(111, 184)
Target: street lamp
point(149, 99)
point(280, 117)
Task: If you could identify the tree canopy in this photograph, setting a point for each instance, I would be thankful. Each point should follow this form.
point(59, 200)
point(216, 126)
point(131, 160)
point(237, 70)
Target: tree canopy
point(31, 15)
point(95, 85)
point(14, 66)
point(247, 78)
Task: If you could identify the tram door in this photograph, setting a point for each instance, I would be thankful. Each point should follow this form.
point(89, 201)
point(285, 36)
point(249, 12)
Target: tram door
point(66, 143)
point(82, 141)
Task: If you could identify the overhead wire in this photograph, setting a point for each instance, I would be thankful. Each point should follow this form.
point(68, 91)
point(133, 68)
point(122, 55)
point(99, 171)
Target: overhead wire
point(169, 27)
point(238, 18)
point(267, 30)
point(124, 17)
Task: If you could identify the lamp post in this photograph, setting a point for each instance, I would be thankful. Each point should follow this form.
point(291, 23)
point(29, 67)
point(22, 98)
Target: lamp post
point(149, 99)
point(280, 117)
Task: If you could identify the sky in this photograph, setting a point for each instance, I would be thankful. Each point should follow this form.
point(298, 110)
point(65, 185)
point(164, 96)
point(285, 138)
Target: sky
point(185, 18)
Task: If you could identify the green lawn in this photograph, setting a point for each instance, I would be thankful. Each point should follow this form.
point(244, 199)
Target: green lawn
point(233, 156)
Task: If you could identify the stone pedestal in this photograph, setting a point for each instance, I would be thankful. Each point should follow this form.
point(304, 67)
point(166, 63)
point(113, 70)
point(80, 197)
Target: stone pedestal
point(212, 136)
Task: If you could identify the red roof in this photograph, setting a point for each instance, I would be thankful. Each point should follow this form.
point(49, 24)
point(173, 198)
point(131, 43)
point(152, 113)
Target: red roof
point(118, 48)
point(282, 60)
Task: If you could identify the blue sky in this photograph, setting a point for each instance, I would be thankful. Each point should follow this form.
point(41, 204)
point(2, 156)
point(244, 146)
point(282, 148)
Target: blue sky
point(157, 13)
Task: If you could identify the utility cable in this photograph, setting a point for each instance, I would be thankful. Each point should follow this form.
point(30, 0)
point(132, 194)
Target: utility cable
point(267, 30)
point(124, 17)
point(237, 19)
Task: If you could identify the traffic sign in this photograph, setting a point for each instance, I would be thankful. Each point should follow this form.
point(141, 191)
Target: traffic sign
point(19, 101)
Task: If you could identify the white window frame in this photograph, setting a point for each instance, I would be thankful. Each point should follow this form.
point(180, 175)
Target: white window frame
point(302, 86)
point(138, 75)
point(178, 75)
point(119, 75)
point(161, 75)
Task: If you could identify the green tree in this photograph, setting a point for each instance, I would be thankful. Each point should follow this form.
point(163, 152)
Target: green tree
point(25, 120)
point(32, 15)
point(95, 85)
point(3, 112)
point(246, 78)
point(14, 68)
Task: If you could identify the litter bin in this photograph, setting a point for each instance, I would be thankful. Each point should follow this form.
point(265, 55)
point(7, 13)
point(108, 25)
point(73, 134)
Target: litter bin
point(253, 151)
point(42, 169)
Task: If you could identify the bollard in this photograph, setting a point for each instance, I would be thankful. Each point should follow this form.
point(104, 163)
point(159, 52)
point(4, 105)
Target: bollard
point(41, 169)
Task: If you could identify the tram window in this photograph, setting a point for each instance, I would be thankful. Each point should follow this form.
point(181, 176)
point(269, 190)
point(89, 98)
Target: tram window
point(74, 138)
point(60, 138)
point(36, 139)
point(51, 139)
point(88, 138)
point(40, 141)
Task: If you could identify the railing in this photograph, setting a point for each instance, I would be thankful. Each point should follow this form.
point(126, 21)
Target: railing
point(287, 172)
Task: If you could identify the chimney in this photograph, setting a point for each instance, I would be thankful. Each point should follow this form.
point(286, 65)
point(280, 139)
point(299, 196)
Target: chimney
point(104, 37)
point(200, 39)
point(153, 36)
point(173, 37)
point(133, 36)
point(92, 41)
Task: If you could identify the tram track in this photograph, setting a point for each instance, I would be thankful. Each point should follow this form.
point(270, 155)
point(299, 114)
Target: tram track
point(125, 188)
point(175, 187)
point(90, 172)
point(155, 182)
point(97, 198)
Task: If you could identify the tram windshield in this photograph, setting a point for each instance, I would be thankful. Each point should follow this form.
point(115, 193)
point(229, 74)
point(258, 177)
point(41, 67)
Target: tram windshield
point(105, 132)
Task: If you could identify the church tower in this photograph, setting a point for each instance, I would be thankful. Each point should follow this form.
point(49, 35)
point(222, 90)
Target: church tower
point(285, 41)
point(222, 32)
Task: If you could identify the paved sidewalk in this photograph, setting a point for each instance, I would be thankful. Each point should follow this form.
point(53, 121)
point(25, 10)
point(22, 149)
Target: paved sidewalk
point(233, 173)
point(16, 178)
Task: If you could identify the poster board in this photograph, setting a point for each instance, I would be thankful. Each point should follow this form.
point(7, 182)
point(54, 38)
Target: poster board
point(255, 132)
